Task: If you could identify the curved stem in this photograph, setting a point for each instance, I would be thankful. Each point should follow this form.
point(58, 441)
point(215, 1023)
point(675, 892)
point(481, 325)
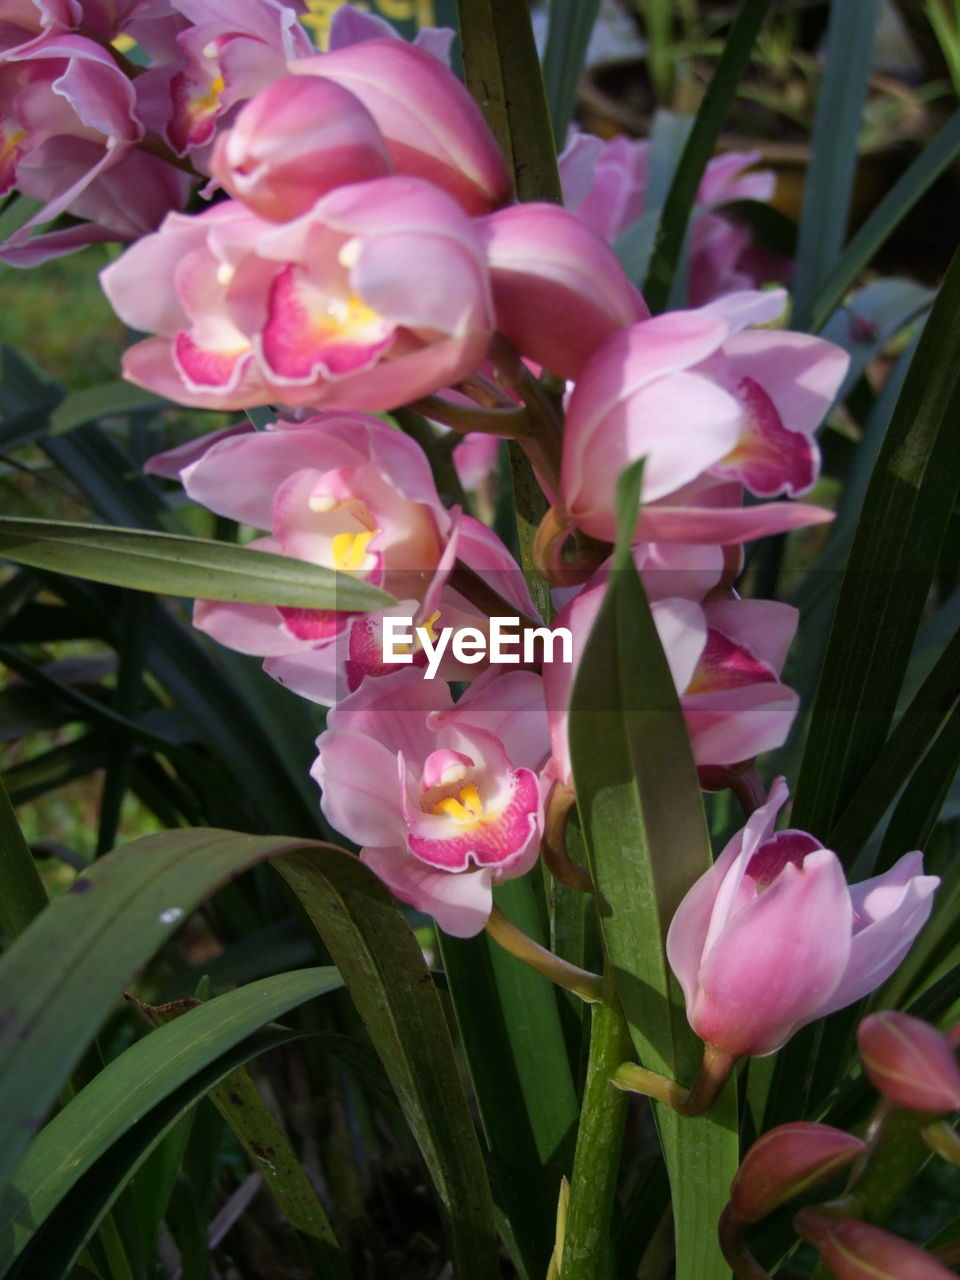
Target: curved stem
point(742, 1262)
point(554, 846)
point(715, 1069)
point(510, 424)
point(586, 985)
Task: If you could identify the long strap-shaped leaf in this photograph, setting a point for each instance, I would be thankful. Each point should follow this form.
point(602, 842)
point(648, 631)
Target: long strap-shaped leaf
point(643, 824)
point(888, 215)
point(54, 1248)
point(571, 25)
point(668, 243)
point(166, 562)
point(833, 162)
point(892, 562)
point(391, 986)
point(60, 978)
point(132, 1085)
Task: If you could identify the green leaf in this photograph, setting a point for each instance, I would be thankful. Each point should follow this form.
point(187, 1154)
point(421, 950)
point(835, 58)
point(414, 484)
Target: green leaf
point(130, 1086)
point(383, 966)
point(828, 189)
point(643, 824)
point(27, 397)
point(891, 566)
point(568, 35)
point(102, 401)
point(509, 1022)
point(22, 895)
point(668, 245)
point(174, 565)
point(933, 705)
point(935, 157)
point(110, 921)
point(52, 1251)
point(503, 74)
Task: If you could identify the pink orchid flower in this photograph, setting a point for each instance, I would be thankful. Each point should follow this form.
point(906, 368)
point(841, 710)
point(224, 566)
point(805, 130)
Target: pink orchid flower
point(772, 937)
point(432, 127)
point(444, 798)
point(706, 401)
point(558, 287)
point(605, 183)
point(350, 26)
point(725, 657)
point(376, 296)
point(351, 493)
point(293, 142)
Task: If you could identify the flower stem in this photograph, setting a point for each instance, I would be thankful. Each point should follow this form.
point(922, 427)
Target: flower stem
point(714, 1073)
point(944, 1140)
point(742, 1262)
point(588, 986)
point(510, 424)
point(586, 1242)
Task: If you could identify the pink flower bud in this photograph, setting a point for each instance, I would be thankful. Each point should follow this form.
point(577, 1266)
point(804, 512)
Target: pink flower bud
point(787, 1160)
point(772, 937)
point(432, 127)
point(857, 1251)
point(558, 287)
point(296, 140)
point(909, 1062)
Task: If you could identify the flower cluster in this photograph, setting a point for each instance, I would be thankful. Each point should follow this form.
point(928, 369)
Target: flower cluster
point(362, 254)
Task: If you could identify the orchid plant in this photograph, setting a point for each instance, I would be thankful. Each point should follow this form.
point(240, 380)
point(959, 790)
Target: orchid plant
point(504, 526)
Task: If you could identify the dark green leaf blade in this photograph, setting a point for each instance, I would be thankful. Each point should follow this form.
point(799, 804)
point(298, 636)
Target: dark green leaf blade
point(167, 563)
point(130, 1087)
point(382, 964)
point(643, 824)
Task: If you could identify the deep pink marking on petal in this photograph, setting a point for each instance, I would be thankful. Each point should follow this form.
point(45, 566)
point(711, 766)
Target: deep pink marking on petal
point(314, 624)
point(309, 335)
point(491, 841)
point(207, 367)
point(727, 665)
point(774, 854)
point(195, 107)
point(768, 458)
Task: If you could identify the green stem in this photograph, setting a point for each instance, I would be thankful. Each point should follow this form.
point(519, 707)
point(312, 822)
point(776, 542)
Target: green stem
point(897, 1153)
point(712, 1077)
point(944, 1140)
point(586, 1243)
point(510, 423)
point(588, 986)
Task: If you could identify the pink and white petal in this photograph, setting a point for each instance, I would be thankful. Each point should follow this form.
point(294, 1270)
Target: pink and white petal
point(801, 374)
point(310, 673)
point(361, 791)
point(683, 633)
point(724, 733)
point(889, 912)
point(511, 708)
point(709, 899)
point(673, 523)
point(749, 306)
point(460, 904)
point(768, 459)
point(394, 711)
point(451, 298)
point(497, 841)
point(481, 549)
point(150, 364)
point(248, 628)
point(306, 337)
point(173, 462)
point(766, 627)
point(777, 961)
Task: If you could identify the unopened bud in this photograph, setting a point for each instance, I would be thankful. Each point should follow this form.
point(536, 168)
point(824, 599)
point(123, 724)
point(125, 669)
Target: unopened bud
point(787, 1160)
point(910, 1062)
point(857, 1251)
